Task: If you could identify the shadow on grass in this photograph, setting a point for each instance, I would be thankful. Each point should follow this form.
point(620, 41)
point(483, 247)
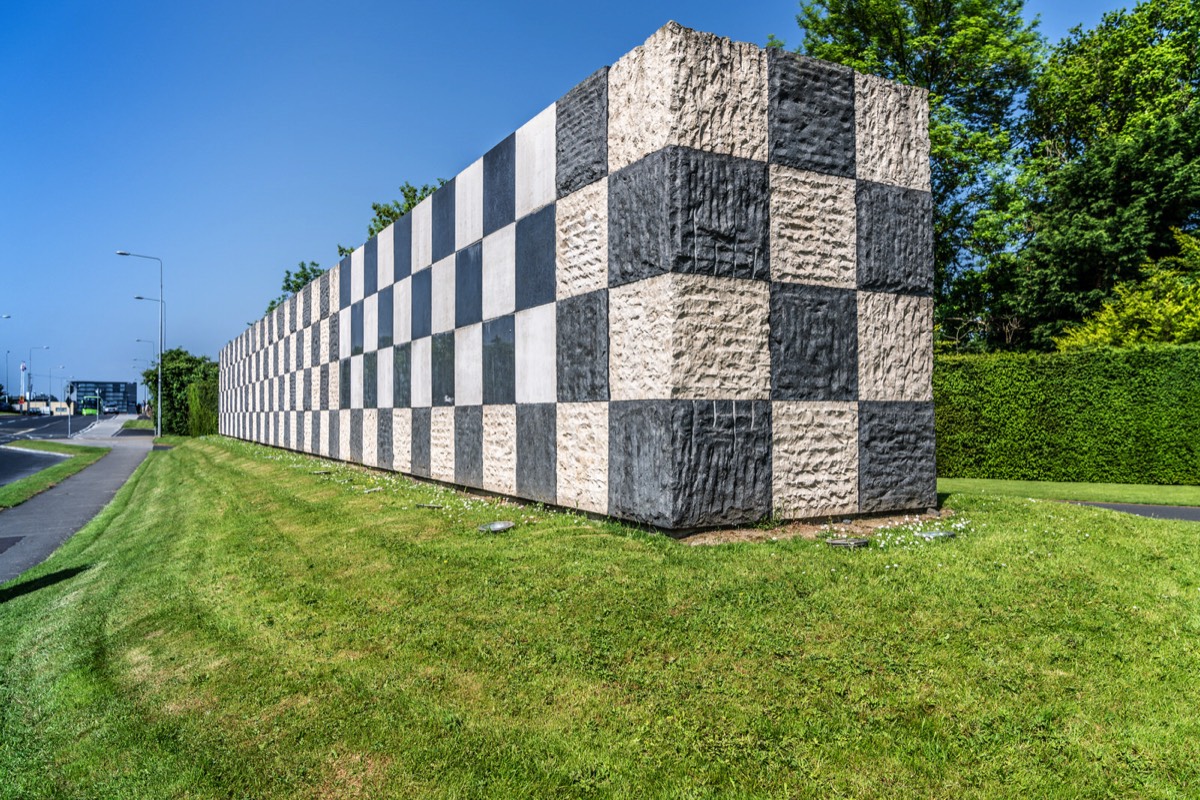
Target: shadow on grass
point(21, 589)
point(941, 498)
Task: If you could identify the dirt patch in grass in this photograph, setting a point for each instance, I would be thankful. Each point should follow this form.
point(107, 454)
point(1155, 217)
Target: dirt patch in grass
point(859, 526)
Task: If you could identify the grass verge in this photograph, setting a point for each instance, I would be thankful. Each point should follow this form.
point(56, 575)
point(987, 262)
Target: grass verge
point(247, 622)
point(138, 425)
point(1092, 492)
point(18, 492)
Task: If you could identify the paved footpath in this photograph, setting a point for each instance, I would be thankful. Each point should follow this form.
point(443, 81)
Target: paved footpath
point(30, 532)
point(1189, 513)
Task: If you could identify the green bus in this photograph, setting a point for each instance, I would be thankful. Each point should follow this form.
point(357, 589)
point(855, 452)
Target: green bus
point(90, 406)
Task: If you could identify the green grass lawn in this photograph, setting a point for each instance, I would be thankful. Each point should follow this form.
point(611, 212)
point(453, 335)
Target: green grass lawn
point(1093, 492)
point(245, 622)
point(138, 425)
point(18, 492)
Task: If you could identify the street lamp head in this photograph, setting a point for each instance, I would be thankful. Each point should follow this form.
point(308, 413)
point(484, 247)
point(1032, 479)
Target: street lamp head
point(122, 252)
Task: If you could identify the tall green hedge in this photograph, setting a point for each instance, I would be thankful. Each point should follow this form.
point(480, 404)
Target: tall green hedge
point(1113, 416)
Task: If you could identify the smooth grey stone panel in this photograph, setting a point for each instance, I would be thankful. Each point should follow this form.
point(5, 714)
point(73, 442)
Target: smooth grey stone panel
point(335, 336)
point(323, 302)
point(356, 329)
point(582, 349)
point(335, 434)
point(581, 134)
point(682, 210)
point(894, 239)
point(810, 114)
point(537, 460)
point(356, 435)
point(680, 464)
point(421, 418)
point(370, 379)
point(371, 267)
point(402, 375)
point(314, 423)
point(384, 316)
point(535, 277)
point(499, 361)
point(422, 303)
point(442, 377)
point(500, 185)
point(896, 466)
point(814, 342)
point(402, 248)
point(443, 220)
point(468, 446)
point(383, 439)
point(324, 394)
point(344, 284)
point(468, 285)
point(344, 383)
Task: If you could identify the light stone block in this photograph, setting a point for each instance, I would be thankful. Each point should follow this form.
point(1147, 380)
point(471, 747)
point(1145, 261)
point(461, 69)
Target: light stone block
point(384, 370)
point(422, 234)
point(401, 439)
point(500, 272)
point(679, 336)
point(422, 372)
point(323, 328)
point(356, 381)
point(333, 398)
point(441, 443)
point(891, 132)
point(581, 240)
point(468, 205)
point(814, 459)
point(683, 87)
point(314, 393)
point(323, 437)
point(344, 329)
point(343, 422)
point(895, 347)
point(813, 236)
point(536, 161)
point(536, 367)
point(357, 261)
point(442, 295)
point(371, 323)
point(385, 257)
point(500, 449)
point(402, 311)
point(468, 365)
point(583, 456)
point(370, 434)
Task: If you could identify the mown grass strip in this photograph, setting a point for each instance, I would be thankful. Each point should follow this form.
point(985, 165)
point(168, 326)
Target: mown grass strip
point(248, 622)
point(138, 425)
point(1091, 492)
point(18, 492)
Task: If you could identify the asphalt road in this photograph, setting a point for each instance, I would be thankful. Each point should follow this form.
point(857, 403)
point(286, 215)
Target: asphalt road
point(15, 426)
point(16, 464)
point(1189, 513)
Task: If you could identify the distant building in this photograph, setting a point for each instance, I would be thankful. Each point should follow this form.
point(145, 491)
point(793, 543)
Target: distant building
point(118, 394)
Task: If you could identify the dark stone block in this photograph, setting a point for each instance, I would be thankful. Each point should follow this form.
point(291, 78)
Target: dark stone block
point(814, 343)
point(895, 239)
point(306, 381)
point(421, 441)
point(383, 438)
point(335, 434)
point(537, 451)
point(298, 431)
point(422, 303)
point(442, 378)
point(324, 398)
point(535, 259)
point(356, 436)
point(402, 375)
point(356, 329)
point(323, 299)
point(468, 285)
point(370, 388)
point(581, 134)
point(500, 185)
point(344, 383)
point(681, 210)
point(335, 335)
point(370, 267)
point(306, 309)
point(443, 221)
point(344, 283)
point(499, 361)
point(582, 331)
point(681, 464)
point(468, 446)
point(384, 315)
point(314, 424)
point(286, 438)
point(293, 313)
point(810, 114)
point(896, 465)
point(402, 248)
point(314, 342)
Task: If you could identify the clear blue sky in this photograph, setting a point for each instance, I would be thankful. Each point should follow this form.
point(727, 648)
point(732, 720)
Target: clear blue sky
point(234, 139)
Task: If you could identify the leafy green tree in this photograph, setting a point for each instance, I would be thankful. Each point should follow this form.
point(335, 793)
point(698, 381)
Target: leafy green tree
point(180, 369)
point(977, 58)
point(295, 281)
point(203, 405)
point(387, 213)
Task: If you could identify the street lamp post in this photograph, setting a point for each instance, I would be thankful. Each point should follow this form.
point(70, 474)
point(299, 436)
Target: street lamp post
point(161, 313)
point(7, 391)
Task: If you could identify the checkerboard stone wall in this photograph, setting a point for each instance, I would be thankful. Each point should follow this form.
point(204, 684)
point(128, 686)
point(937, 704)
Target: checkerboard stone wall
point(694, 291)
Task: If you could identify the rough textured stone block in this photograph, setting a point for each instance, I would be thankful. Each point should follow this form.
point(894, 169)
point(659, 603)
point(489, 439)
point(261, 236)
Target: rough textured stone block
point(500, 449)
point(895, 351)
point(536, 458)
point(683, 87)
point(383, 439)
point(582, 468)
point(344, 451)
point(814, 459)
point(421, 427)
point(812, 228)
point(891, 132)
point(441, 444)
point(814, 343)
point(402, 439)
point(810, 114)
point(689, 463)
point(581, 240)
point(894, 239)
point(684, 336)
point(369, 436)
point(582, 350)
point(581, 138)
point(896, 457)
point(468, 446)
point(680, 210)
